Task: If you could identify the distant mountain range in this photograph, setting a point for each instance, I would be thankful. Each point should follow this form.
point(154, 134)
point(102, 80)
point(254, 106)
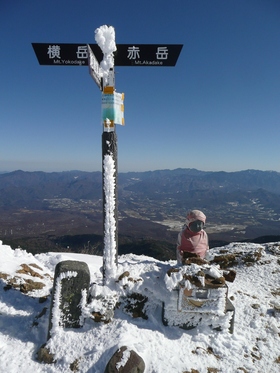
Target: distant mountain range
point(192, 179)
point(152, 205)
point(87, 185)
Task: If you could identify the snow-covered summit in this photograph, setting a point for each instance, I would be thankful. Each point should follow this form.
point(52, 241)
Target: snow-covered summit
point(255, 293)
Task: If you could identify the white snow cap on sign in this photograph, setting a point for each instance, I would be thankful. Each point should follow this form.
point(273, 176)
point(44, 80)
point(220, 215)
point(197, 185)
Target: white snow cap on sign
point(105, 38)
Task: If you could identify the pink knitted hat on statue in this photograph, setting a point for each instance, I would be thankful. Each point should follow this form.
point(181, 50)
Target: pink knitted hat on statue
point(194, 215)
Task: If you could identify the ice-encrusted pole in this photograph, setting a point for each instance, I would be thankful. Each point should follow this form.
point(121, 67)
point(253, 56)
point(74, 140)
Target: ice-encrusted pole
point(110, 212)
point(105, 38)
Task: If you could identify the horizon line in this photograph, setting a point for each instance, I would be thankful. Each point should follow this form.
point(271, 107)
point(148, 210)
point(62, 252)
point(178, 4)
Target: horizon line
point(156, 170)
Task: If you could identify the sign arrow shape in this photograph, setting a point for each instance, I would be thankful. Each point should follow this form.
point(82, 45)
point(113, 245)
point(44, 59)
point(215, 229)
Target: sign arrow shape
point(94, 68)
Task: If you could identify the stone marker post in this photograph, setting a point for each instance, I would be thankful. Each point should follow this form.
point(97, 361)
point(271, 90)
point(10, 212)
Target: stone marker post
point(71, 284)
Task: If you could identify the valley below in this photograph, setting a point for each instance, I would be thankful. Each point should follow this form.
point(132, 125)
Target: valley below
point(64, 211)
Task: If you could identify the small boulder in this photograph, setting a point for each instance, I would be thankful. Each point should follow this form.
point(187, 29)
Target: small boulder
point(27, 270)
point(229, 275)
point(123, 275)
point(172, 270)
point(125, 361)
point(135, 305)
point(44, 355)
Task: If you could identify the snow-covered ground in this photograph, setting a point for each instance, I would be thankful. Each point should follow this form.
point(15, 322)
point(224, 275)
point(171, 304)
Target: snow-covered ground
point(253, 347)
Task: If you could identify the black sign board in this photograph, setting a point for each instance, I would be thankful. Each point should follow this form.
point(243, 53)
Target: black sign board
point(126, 55)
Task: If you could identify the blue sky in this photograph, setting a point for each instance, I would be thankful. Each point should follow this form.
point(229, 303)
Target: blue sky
point(217, 109)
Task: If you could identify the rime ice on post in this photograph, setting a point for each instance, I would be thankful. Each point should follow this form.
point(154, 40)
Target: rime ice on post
point(109, 253)
point(105, 38)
